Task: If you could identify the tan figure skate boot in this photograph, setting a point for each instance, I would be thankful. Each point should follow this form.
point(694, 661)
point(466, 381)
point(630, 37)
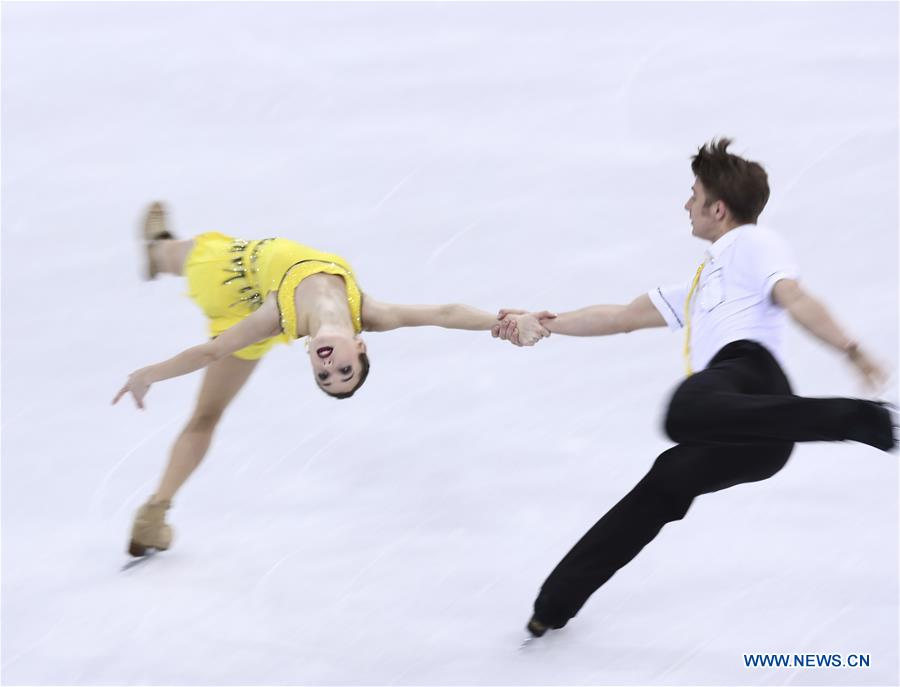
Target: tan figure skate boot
point(150, 530)
point(155, 229)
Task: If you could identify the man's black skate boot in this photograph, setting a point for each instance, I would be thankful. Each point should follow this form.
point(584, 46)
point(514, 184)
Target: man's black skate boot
point(876, 425)
point(538, 628)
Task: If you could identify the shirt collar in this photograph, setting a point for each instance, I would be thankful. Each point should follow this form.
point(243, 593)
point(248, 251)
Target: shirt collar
point(715, 250)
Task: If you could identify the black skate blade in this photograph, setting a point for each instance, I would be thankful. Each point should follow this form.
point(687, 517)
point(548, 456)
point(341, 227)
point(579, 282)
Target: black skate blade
point(150, 553)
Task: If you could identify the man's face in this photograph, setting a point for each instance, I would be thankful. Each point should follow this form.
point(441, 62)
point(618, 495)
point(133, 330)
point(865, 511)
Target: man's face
point(335, 362)
point(703, 213)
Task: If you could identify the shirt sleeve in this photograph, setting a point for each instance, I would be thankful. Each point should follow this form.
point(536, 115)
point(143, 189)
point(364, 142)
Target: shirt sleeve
point(766, 259)
point(669, 300)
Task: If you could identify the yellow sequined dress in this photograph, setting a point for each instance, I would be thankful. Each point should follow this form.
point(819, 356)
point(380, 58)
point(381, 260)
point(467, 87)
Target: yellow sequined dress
point(229, 278)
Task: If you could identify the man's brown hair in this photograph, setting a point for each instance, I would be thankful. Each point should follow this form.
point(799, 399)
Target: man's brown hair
point(363, 373)
point(742, 185)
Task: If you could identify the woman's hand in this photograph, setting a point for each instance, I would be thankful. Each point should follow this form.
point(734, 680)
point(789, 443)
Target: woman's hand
point(138, 384)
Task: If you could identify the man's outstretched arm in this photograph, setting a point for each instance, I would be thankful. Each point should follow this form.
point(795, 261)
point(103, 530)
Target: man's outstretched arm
point(811, 314)
point(603, 320)
point(594, 320)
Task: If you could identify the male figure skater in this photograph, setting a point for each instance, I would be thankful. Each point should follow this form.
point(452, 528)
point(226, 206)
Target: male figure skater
point(735, 418)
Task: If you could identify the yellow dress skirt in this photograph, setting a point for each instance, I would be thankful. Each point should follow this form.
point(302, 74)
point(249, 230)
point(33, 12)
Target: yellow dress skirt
point(229, 278)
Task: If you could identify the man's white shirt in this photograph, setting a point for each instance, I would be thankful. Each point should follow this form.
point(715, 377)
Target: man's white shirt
point(733, 299)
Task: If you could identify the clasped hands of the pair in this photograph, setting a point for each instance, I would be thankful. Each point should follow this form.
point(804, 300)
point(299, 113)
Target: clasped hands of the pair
point(520, 327)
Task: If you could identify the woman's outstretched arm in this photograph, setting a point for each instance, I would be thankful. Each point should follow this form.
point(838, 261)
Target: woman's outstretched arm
point(382, 317)
point(260, 325)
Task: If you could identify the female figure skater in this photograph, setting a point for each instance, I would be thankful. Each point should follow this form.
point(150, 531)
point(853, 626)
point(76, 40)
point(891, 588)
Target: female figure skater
point(255, 294)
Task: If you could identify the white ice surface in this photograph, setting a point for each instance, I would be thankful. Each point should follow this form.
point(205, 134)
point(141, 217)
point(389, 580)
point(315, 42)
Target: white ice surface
point(528, 155)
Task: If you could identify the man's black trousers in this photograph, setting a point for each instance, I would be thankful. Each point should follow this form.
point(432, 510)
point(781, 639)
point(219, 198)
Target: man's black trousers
point(735, 422)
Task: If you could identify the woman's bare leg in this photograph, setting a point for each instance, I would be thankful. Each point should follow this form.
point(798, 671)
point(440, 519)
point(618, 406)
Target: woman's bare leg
point(167, 256)
point(221, 383)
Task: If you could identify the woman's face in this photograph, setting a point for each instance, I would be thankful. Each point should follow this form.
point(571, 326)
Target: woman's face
point(335, 362)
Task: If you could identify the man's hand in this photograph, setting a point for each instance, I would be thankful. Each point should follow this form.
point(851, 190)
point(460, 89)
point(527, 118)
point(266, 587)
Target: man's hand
point(812, 315)
point(874, 377)
point(521, 327)
point(138, 384)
